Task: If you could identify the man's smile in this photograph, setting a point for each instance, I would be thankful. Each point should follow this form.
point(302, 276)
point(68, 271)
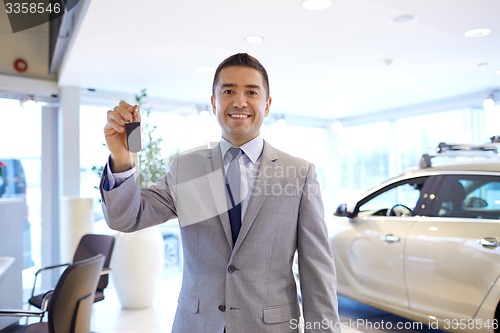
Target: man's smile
point(239, 115)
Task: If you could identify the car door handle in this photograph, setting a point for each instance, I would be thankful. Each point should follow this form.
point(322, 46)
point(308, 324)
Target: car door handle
point(489, 242)
point(390, 238)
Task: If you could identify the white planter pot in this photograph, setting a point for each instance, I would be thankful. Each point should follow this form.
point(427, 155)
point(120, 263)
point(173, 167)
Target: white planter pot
point(136, 267)
point(76, 221)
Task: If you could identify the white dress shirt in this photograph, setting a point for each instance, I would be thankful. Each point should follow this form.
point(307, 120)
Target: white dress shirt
point(249, 166)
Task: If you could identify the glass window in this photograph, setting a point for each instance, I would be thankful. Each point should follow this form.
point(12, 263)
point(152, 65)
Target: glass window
point(21, 174)
point(93, 152)
point(309, 143)
point(365, 153)
point(422, 134)
point(491, 121)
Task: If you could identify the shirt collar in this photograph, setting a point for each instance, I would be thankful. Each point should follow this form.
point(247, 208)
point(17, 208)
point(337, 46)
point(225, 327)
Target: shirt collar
point(252, 149)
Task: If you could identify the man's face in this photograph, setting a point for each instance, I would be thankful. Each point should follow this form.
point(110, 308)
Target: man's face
point(240, 103)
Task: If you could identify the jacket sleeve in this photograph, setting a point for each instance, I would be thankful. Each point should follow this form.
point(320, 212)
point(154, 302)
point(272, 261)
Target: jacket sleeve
point(128, 208)
point(316, 264)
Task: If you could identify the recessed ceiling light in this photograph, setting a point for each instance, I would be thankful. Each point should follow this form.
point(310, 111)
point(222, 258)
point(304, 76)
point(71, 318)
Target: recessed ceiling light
point(254, 39)
point(316, 4)
point(480, 32)
point(404, 19)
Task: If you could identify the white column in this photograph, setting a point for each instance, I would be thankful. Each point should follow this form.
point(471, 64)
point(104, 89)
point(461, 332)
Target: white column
point(50, 193)
point(69, 141)
point(74, 211)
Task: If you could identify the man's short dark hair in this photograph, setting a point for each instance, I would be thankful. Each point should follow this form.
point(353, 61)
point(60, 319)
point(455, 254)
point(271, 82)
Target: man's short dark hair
point(242, 60)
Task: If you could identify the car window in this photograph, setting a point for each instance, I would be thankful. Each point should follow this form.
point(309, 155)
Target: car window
point(399, 199)
point(468, 196)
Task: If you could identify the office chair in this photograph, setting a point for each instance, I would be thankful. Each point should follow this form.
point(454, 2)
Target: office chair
point(89, 246)
point(69, 305)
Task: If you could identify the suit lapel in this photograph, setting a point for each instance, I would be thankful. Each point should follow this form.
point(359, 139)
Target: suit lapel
point(259, 190)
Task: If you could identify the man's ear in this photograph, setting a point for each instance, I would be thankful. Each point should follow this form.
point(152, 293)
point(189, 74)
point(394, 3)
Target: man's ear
point(212, 101)
point(268, 106)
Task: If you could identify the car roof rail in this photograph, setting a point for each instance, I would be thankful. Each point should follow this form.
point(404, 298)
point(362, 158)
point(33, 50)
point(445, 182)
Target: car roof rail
point(463, 150)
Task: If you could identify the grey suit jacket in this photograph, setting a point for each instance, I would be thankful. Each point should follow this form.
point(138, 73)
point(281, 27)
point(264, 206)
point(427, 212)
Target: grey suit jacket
point(251, 287)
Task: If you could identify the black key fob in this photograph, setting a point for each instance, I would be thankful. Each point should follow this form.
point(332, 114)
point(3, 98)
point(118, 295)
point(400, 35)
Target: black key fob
point(134, 136)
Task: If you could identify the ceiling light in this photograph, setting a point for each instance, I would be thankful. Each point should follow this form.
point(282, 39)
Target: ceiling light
point(404, 19)
point(29, 103)
point(492, 100)
point(316, 4)
point(254, 39)
point(480, 32)
point(497, 72)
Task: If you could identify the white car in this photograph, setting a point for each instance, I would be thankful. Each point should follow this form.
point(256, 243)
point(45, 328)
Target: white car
point(426, 245)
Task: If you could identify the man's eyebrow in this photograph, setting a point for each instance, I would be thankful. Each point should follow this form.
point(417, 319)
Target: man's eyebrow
point(253, 86)
point(228, 85)
point(231, 85)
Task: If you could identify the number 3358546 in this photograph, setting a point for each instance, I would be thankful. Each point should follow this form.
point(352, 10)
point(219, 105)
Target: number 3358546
point(32, 8)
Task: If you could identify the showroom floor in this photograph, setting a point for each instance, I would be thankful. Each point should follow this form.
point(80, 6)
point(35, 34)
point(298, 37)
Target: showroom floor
point(109, 317)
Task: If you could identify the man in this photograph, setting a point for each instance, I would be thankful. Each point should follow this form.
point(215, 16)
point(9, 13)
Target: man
point(238, 240)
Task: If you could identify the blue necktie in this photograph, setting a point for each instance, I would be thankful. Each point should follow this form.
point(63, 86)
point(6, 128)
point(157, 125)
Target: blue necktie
point(233, 177)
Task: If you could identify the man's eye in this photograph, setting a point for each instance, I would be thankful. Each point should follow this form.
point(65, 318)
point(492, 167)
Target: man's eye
point(251, 92)
point(227, 92)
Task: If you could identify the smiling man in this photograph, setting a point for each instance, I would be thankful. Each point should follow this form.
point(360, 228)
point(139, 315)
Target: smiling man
point(240, 99)
point(237, 275)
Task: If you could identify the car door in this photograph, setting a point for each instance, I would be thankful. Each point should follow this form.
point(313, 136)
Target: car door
point(373, 260)
point(452, 256)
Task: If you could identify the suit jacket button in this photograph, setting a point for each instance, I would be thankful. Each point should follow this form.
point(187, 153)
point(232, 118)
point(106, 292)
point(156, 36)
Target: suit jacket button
point(231, 268)
point(222, 308)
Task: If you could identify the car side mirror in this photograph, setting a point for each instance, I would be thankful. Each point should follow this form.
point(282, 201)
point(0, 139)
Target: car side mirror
point(342, 211)
point(474, 202)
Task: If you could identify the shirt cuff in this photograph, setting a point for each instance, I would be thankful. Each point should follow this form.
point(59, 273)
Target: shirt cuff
point(115, 179)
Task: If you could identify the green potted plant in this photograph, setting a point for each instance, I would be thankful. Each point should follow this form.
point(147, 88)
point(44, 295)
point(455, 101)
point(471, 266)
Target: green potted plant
point(151, 163)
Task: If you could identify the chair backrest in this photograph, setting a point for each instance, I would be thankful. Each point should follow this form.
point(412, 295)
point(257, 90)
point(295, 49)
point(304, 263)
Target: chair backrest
point(70, 306)
point(93, 244)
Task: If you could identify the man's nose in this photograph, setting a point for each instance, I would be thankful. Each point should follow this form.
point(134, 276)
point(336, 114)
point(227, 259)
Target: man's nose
point(240, 101)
